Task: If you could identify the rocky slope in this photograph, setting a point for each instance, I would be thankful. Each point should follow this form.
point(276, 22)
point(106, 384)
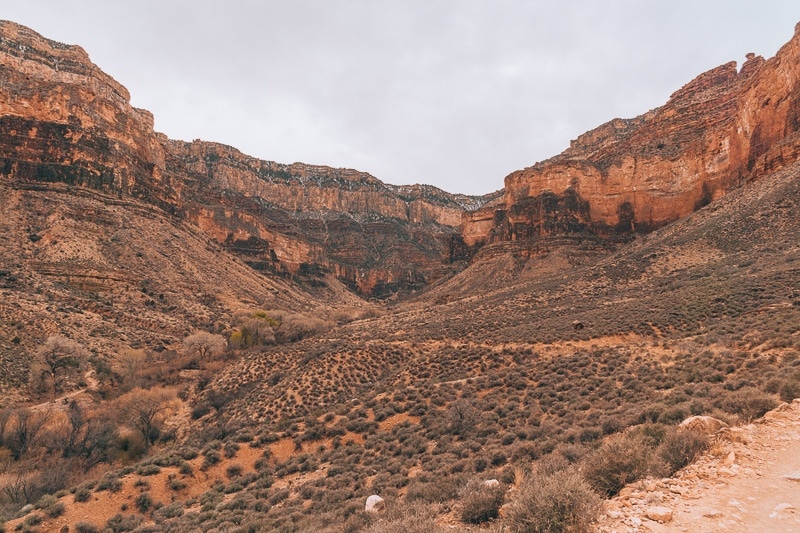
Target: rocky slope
point(64, 120)
point(747, 482)
point(626, 176)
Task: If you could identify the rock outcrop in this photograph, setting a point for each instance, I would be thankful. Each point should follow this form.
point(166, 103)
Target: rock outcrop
point(626, 176)
point(64, 120)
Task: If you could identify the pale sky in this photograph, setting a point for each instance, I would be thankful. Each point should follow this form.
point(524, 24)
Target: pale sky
point(454, 93)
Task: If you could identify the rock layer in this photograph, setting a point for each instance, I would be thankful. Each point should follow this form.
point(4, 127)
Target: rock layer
point(64, 120)
point(626, 176)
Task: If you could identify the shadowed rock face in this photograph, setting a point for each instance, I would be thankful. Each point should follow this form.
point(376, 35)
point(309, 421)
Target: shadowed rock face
point(64, 120)
point(627, 176)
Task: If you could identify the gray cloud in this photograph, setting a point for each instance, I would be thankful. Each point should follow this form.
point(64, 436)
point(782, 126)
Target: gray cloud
point(455, 93)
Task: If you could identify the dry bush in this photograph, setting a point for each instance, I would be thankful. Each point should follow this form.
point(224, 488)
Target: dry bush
point(411, 518)
point(480, 503)
point(620, 460)
point(295, 327)
point(204, 344)
point(748, 402)
point(679, 448)
point(561, 502)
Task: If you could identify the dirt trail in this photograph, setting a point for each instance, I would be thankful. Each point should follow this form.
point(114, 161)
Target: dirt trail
point(91, 384)
point(749, 485)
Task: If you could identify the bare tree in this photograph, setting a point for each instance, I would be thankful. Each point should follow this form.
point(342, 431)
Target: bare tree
point(56, 357)
point(204, 344)
point(89, 436)
point(144, 411)
point(22, 431)
point(129, 365)
point(462, 416)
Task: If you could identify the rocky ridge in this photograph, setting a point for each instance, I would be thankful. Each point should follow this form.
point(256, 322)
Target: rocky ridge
point(62, 119)
point(631, 176)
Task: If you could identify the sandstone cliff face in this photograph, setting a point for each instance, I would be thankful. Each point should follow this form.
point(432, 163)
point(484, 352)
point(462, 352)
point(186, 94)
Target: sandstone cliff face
point(63, 120)
point(634, 175)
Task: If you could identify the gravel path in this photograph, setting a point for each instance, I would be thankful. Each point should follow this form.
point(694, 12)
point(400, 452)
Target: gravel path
point(749, 482)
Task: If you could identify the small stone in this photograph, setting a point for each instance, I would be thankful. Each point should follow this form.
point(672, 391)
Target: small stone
point(635, 521)
point(712, 513)
point(782, 509)
point(793, 476)
point(730, 459)
point(659, 514)
point(727, 471)
point(491, 483)
point(613, 514)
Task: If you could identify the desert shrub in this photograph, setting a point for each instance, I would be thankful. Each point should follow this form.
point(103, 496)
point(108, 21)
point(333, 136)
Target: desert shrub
point(86, 527)
point(173, 510)
point(33, 519)
point(210, 459)
point(561, 502)
point(45, 501)
point(144, 502)
point(120, 523)
point(82, 495)
point(479, 502)
point(234, 470)
point(55, 510)
point(620, 460)
point(109, 482)
point(679, 448)
point(789, 390)
point(412, 518)
point(148, 470)
point(439, 491)
point(748, 402)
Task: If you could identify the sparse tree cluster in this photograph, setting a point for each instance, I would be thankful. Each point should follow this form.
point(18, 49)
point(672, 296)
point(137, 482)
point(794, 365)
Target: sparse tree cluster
point(56, 360)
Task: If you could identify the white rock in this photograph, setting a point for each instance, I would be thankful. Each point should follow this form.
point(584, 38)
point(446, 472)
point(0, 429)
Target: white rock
point(730, 459)
point(706, 424)
point(793, 476)
point(634, 521)
point(613, 514)
point(375, 504)
point(780, 509)
point(659, 514)
point(491, 483)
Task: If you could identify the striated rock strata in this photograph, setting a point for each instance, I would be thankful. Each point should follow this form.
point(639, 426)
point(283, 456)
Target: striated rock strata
point(628, 176)
point(64, 120)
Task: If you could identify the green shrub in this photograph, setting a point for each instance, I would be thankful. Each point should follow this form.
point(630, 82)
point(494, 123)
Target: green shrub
point(561, 502)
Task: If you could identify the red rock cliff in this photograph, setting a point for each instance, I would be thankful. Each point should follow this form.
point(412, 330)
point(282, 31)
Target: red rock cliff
point(64, 120)
point(633, 175)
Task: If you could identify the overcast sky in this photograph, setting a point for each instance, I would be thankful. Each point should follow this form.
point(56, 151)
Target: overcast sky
point(454, 93)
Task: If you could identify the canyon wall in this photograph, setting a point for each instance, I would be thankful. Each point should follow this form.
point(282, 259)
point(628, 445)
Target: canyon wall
point(64, 120)
point(724, 127)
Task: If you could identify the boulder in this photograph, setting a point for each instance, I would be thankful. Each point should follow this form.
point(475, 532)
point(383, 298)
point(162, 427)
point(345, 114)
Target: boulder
point(703, 424)
point(659, 514)
point(375, 504)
